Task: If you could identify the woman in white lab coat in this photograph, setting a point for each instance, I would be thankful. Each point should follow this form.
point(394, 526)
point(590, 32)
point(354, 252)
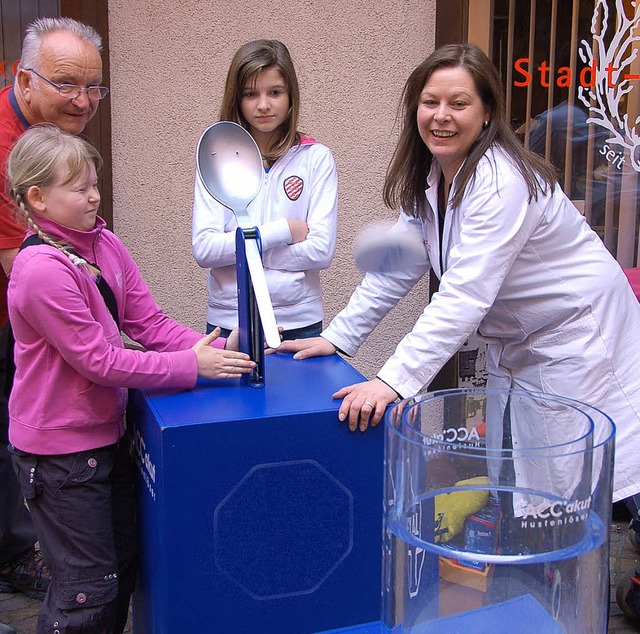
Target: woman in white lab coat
point(516, 262)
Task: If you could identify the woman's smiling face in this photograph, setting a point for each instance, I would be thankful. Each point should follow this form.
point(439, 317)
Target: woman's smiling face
point(450, 117)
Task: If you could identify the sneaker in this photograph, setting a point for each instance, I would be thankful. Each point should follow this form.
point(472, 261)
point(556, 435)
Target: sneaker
point(27, 574)
point(6, 629)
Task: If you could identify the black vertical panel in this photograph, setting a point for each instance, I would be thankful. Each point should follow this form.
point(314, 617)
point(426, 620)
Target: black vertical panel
point(28, 13)
point(15, 16)
point(99, 128)
point(49, 7)
point(452, 17)
point(11, 37)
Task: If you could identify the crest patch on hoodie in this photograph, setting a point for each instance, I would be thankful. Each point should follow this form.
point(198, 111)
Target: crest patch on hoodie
point(293, 187)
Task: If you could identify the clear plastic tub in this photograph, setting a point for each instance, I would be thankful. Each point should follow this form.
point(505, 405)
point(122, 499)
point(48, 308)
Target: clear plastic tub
point(497, 511)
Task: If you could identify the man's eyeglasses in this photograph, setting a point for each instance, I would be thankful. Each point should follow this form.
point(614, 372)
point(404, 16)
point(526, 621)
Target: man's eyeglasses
point(71, 91)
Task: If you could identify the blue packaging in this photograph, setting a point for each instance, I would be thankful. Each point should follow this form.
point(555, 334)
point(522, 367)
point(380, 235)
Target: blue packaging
point(481, 530)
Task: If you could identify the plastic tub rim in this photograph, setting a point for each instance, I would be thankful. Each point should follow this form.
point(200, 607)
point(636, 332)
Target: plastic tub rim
point(437, 444)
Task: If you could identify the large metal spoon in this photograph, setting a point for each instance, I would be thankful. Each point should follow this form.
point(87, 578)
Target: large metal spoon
point(230, 167)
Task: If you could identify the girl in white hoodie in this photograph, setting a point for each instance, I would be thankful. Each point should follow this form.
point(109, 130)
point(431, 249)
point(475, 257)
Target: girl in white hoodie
point(295, 210)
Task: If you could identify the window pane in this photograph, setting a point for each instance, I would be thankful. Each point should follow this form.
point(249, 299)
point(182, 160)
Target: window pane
point(571, 71)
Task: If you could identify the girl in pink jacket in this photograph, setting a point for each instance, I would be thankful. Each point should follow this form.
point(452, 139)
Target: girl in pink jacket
point(72, 373)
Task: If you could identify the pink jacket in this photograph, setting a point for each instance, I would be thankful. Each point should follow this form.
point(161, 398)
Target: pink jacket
point(72, 369)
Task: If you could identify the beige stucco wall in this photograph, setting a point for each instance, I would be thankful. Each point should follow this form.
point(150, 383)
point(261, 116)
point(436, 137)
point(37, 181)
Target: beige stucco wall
point(168, 64)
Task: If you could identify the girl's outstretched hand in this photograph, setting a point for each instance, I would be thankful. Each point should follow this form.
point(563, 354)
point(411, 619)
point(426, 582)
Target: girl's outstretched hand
point(307, 348)
point(365, 402)
point(214, 363)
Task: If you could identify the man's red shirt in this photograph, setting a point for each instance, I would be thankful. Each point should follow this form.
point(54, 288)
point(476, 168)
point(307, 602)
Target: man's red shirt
point(12, 230)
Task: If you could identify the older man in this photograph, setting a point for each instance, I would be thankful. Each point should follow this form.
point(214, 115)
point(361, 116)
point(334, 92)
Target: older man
point(60, 61)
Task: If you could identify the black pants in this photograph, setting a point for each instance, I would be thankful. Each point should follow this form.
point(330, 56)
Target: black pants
point(17, 533)
point(83, 507)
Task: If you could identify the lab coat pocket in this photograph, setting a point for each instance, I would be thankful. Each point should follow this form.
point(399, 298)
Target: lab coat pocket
point(573, 360)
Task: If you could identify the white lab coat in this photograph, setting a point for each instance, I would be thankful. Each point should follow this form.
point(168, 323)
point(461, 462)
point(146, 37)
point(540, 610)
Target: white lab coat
point(537, 283)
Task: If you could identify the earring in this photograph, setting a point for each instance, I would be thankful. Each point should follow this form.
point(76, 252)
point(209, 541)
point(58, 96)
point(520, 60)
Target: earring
point(485, 125)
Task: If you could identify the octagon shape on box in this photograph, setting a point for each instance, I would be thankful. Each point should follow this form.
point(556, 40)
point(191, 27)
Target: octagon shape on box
point(283, 529)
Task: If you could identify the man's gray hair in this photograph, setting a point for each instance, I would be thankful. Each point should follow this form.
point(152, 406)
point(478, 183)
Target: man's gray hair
point(41, 27)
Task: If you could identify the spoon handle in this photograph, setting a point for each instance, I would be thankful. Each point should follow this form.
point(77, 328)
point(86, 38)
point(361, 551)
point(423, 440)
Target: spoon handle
point(261, 291)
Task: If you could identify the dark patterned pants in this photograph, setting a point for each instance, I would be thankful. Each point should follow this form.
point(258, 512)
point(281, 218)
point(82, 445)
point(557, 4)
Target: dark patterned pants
point(83, 508)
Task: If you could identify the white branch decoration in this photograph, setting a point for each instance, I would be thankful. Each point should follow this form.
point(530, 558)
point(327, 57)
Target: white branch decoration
point(612, 62)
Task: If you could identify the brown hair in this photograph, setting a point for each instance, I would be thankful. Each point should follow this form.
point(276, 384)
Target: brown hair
point(406, 178)
point(249, 60)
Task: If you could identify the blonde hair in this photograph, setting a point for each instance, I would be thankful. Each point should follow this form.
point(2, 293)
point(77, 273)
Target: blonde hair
point(33, 162)
point(249, 60)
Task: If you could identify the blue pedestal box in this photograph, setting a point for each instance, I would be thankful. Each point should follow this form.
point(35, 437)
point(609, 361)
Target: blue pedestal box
point(259, 510)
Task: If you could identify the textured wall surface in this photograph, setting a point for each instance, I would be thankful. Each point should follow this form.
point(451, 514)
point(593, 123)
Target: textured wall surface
point(168, 65)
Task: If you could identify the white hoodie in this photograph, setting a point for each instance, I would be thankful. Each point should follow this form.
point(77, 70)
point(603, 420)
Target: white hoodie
point(301, 185)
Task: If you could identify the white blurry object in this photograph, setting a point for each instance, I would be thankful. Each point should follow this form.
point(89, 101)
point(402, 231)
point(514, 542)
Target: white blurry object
point(383, 247)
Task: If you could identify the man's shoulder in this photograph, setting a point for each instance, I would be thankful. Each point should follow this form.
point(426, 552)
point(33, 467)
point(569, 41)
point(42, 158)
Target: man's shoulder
point(5, 103)
point(11, 128)
point(11, 231)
